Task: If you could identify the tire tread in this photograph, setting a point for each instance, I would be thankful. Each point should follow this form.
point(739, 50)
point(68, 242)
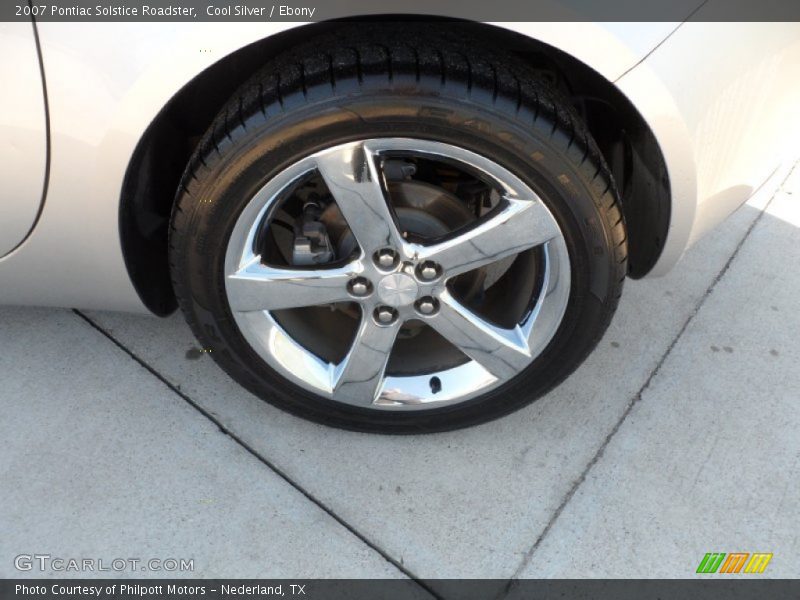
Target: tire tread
point(325, 66)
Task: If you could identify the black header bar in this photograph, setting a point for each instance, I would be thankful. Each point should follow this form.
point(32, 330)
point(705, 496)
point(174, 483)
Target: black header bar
point(324, 10)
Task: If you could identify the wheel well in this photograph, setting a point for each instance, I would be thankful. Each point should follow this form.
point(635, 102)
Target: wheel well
point(162, 153)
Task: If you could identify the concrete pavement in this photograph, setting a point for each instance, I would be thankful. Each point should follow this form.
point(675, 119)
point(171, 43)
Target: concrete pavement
point(676, 437)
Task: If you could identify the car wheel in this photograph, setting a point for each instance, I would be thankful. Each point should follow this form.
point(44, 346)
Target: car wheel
point(397, 236)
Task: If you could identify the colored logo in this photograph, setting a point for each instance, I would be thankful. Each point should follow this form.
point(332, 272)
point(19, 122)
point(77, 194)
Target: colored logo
point(735, 562)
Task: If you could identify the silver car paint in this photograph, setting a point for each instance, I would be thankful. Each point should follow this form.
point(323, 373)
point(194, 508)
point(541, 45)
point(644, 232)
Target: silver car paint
point(106, 84)
point(23, 149)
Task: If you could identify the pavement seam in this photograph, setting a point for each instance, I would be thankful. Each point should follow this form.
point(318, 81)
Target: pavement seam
point(263, 460)
point(638, 396)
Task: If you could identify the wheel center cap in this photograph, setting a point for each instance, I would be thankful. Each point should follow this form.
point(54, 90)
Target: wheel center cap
point(397, 289)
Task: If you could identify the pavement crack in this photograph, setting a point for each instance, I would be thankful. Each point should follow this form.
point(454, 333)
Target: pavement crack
point(262, 459)
point(635, 400)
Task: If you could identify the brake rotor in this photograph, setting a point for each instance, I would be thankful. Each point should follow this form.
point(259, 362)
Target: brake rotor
point(425, 212)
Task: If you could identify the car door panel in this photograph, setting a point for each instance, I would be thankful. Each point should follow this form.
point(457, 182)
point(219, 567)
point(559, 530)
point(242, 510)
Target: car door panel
point(23, 134)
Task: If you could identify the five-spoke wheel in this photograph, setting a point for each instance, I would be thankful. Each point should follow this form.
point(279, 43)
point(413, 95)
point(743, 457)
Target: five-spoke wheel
point(397, 233)
point(394, 280)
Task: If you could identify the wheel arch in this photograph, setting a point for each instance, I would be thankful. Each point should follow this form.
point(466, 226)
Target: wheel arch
point(161, 154)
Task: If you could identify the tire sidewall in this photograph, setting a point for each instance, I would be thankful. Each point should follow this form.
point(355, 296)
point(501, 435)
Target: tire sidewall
point(252, 155)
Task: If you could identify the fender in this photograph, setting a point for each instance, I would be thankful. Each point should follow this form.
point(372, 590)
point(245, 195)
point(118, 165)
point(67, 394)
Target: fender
point(105, 86)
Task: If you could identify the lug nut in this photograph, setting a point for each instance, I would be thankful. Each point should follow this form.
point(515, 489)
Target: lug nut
point(428, 271)
point(359, 287)
point(427, 305)
point(386, 258)
point(385, 315)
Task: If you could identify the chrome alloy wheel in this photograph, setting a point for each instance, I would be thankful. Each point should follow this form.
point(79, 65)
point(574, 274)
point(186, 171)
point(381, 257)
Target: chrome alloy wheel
point(395, 280)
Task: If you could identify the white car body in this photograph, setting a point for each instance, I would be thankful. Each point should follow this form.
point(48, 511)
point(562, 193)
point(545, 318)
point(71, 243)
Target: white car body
point(721, 100)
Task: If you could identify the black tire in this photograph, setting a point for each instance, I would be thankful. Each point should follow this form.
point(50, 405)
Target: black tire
point(389, 83)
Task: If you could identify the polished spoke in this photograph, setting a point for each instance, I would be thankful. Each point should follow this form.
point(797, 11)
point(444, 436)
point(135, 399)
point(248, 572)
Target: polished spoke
point(358, 378)
point(502, 352)
point(352, 176)
point(260, 287)
point(518, 226)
